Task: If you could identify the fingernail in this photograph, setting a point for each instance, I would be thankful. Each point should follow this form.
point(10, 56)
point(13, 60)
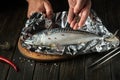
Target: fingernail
point(79, 27)
point(68, 21)
point(75, 28)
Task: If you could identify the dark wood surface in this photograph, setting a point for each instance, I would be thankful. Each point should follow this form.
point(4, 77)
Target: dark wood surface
point(11, 23)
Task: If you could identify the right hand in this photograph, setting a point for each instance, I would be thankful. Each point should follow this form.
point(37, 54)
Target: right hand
point(78, 9)
point(43, 6)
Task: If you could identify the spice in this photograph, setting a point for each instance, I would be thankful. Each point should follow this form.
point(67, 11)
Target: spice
point(63, 34)
point(49, 38)
point(9, 62)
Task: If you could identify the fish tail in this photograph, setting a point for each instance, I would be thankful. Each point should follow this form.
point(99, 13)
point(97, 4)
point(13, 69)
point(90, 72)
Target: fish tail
point(116, 32)
point(114, 37)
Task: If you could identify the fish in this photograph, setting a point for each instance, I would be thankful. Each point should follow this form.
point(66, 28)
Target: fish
point(62, 36)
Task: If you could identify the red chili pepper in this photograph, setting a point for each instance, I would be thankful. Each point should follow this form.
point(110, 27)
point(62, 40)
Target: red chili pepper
point(9, 62)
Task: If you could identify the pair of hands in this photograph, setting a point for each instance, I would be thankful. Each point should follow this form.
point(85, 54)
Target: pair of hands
point(77, 9)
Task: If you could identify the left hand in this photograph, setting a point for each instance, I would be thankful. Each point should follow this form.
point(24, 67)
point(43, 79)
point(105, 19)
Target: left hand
point(78, 12)
point(43, 6)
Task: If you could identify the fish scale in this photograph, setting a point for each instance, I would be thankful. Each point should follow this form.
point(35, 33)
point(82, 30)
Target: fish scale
point(66, 30)
point(61, 36)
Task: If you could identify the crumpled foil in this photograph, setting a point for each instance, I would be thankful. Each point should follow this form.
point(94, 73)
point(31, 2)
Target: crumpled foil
point(93, 24)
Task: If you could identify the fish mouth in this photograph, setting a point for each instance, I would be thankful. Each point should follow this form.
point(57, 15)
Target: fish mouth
point(30, 42)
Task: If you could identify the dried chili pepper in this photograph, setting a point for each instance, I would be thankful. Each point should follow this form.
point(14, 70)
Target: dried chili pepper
point(9, 62)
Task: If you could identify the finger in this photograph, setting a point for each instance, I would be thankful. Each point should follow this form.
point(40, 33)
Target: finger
point(48, 9)
point(79, 5)
point(73, 24)
point(70, 15)
point(84, 14)
point(71, 3)
point(29, 13)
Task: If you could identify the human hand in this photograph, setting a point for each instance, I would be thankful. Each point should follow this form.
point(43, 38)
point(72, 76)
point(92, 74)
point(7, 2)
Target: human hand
point(43, 6)
point(78, 12)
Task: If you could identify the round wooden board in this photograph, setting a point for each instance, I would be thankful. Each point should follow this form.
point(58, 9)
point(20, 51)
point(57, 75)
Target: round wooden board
point(40, 56)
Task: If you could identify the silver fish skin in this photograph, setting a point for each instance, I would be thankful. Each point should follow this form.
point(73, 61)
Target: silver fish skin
point(60, 36)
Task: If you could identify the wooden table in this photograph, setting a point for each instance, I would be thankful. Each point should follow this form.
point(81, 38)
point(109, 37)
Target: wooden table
point(11, 23)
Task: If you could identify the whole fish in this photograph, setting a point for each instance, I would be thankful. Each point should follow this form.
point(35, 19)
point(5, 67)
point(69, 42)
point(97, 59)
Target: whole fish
point(61, 36)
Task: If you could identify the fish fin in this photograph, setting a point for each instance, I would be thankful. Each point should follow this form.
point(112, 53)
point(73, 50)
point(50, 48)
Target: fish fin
point(59, 47)
point(116, 32)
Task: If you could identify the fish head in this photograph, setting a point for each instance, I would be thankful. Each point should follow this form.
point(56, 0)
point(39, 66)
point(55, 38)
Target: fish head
point(34, 40)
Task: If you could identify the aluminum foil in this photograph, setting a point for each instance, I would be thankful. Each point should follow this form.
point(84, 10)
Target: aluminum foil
point(93, 24)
